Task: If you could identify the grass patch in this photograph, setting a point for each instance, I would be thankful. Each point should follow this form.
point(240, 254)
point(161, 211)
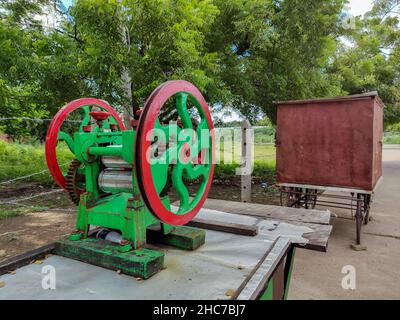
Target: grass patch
point(17, 160)
point(392, 139)
point(8, 210)
point(57, 200)
point(264, 162)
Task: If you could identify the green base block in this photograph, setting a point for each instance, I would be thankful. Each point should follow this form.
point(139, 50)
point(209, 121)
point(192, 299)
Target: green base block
point(141, 263)
point(181, 237)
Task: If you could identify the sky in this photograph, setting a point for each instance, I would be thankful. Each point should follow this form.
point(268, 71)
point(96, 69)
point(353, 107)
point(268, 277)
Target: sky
point(67, 3)
point(360, 7)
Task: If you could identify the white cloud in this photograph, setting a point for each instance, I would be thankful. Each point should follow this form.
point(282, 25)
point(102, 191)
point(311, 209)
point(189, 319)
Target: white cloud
point(360, 7)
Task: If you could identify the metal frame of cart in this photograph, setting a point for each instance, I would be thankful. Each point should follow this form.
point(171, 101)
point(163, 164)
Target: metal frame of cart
point(309, 196)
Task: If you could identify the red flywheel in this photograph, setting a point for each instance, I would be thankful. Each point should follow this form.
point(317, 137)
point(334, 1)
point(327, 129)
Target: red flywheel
point(55, 127)
point(181, 157)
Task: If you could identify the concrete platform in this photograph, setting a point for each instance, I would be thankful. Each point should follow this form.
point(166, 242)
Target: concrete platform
point(226, 265)
point(220, 266)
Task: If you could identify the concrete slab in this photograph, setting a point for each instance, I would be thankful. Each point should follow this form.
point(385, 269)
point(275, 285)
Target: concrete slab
point(220, 265)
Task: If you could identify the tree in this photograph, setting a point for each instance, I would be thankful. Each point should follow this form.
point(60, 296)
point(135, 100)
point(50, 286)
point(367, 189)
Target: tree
point(371, 61)
point(243, 55)
point(154, 41)
point(275, 50)
point(38, 68)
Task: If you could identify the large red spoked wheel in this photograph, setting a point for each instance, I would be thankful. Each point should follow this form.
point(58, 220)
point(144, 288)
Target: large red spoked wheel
point(54, 133)
point(187, 151)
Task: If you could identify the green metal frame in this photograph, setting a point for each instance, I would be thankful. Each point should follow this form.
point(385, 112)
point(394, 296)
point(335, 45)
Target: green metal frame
point(126, 211)
point(122, 211)
point(269, 292)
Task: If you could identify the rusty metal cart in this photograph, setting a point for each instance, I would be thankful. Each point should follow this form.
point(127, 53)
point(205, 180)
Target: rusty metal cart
point(329, 153)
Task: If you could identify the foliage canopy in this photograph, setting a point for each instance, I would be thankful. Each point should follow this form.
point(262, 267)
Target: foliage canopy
point(243, 55)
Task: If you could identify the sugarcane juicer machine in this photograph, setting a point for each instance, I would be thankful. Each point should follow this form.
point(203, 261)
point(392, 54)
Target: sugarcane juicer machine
point(121, 178)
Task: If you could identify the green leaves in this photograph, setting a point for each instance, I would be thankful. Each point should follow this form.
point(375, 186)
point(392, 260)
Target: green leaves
point(241, 54)
point(371, 61)
point(275, 50)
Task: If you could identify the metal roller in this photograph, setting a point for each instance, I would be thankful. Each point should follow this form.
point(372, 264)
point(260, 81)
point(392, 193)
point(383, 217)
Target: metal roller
point(115, 181)
point(115, 162)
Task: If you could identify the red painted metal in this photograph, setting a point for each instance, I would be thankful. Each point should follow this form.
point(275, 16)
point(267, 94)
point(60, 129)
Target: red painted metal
point(54, 128)
point(147, 121)
point(134, 123)
point(100, 115)
point(331, 142)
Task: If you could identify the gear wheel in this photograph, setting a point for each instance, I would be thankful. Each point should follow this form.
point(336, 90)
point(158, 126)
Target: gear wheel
point(72, 178)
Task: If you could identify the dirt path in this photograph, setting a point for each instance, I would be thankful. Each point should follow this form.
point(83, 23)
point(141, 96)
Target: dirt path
point(23, 233)
point(318, 275)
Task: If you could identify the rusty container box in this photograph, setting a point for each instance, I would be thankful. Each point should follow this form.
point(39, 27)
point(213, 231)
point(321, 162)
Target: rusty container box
point(334, 142)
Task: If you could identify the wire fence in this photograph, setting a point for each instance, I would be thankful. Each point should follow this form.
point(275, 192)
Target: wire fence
point(30, 175)
point(35, 119)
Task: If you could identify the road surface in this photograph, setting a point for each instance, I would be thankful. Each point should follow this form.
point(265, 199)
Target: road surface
point(377, 272)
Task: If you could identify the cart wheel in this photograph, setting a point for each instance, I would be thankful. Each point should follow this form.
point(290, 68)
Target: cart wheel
point(188, 160)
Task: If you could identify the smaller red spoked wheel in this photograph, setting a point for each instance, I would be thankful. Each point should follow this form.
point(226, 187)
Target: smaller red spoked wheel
point(54, 133)
point(190, 158)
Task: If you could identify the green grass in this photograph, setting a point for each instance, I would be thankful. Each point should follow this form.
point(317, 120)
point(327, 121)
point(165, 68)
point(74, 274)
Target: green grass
point(230, 156)
point(17, 160)
point(392, 139)
point(264, 161)
point(8, 211)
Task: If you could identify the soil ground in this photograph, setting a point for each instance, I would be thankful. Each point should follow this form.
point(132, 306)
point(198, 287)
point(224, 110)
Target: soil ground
point(29, 230)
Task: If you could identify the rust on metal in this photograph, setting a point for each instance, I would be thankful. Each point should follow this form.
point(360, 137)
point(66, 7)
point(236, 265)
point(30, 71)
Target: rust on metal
point(331, 142)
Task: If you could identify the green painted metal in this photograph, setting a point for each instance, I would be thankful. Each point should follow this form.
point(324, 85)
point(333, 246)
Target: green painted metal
point(268, 294)
point(62, 136)
point(181, 237)
point(125, 211)
point(105, 151)
point(288, 270)
point(141, 263)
